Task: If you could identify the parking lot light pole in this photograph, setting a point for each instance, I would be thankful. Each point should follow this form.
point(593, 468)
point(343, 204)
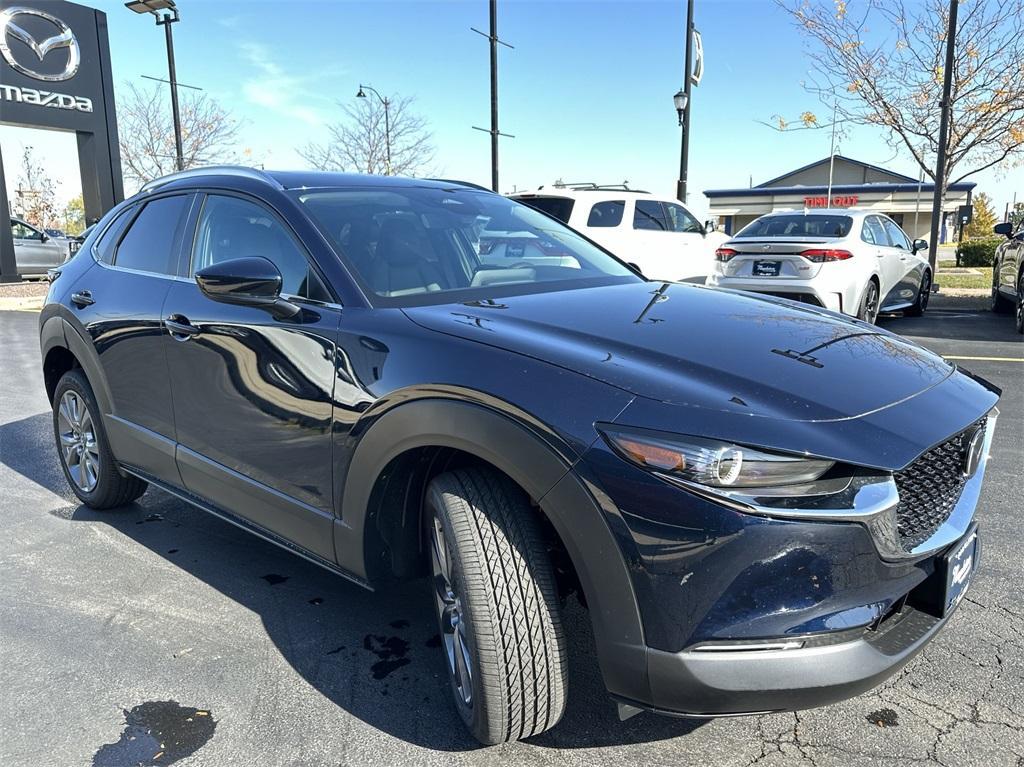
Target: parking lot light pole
point(165, 13)
point(387, 123)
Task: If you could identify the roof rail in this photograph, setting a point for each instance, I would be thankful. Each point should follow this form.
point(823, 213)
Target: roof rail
point(590, 185)
point(241, 171)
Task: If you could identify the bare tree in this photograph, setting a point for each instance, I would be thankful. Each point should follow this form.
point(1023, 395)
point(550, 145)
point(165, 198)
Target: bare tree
point(35, 197)
point(358, 142)
point(881, 62)
point(208, 132)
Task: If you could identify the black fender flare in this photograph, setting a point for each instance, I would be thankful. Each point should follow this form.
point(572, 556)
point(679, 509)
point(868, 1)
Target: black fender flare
point(56, 331)
point(546, 474)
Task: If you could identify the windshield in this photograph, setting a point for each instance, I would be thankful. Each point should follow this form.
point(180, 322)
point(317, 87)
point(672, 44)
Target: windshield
point(415, 245)
point(798, 225)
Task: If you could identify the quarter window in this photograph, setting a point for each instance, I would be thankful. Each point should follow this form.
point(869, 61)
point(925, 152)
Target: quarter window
point(104, 247)
point(866, 234)
point(649, 214)
point(149, 244)
point(877, 231)
point(230, 228)
point(607, 213)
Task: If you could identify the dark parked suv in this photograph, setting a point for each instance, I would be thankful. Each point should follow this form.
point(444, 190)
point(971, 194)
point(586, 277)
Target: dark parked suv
point(764, 505)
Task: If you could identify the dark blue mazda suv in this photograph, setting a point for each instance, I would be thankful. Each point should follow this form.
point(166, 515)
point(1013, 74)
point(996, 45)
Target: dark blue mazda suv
point(765, 506)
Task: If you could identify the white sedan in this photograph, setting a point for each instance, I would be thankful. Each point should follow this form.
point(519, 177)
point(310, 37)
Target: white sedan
point(851, 261)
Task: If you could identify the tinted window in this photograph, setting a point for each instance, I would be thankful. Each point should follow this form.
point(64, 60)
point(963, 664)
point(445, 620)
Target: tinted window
point(680, 219)
point(650, 215)
point(417, 245)
point(22, 231)
point(104, 247)
point(607, 213)
point(798, 225)
point(148, 245)
point(877, 231)
point(896, 236)
point(230, 227)
point(559, 207)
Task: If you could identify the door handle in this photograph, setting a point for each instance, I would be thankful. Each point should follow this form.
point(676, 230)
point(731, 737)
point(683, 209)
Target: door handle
point(180, 328)
point(82, 298)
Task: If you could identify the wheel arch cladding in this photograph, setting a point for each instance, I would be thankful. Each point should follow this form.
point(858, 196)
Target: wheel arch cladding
point(544, 473)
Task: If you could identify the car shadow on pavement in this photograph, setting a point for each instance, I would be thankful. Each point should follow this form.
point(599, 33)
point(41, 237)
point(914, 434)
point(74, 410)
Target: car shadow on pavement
point(375, 655)
point(955, 318)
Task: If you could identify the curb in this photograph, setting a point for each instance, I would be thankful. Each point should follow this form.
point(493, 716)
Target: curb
point(27, 304)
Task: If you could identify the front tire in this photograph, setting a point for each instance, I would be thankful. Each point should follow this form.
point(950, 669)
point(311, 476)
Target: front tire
point(1000, 303)
point(497, 606)
point(868, 310)
point(85, 456)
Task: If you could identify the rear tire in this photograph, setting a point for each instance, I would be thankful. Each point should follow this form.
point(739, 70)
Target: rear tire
point(89, 466)
point(868, 310)
point(1020, 303)
point(923, 294)
point(497, 604)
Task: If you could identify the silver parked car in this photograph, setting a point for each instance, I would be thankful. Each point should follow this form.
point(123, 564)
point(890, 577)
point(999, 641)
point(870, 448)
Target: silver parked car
point(853, 261)
point(34, 250)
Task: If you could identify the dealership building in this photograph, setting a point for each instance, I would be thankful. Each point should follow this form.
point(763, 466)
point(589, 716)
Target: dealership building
point(855, 184)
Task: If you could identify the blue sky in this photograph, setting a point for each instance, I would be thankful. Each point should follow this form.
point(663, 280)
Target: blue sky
point(587, 91)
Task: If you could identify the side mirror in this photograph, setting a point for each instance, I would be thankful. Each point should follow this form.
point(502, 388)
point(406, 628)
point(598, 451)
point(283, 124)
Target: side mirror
point(710, 226)
point(44, 237)
point(246, 282)
point(920, 245)
point(1005, 229)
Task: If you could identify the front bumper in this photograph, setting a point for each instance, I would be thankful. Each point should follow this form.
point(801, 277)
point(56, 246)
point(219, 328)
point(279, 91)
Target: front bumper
point(734, 682)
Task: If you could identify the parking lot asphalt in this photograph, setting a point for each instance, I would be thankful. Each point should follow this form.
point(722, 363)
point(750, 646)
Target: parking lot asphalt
point(158, 627)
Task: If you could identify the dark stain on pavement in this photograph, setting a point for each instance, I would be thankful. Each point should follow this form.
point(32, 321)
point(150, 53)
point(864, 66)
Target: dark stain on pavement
point(884, 717)
point(273, 578)
point(316, 601)
point(390, 650)
point(401, 623)
point(434, 641)
point(151, 518)
point(158, 733)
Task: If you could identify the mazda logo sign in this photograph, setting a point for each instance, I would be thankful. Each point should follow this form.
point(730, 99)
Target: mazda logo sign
point(65, 38)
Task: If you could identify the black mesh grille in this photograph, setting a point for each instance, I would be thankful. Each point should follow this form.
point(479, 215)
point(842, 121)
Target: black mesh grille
point(930, 487)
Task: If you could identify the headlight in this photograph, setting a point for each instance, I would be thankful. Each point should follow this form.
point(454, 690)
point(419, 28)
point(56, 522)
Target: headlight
point(715, 464)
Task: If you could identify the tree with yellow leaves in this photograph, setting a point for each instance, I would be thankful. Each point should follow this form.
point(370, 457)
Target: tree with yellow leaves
point(880, 63)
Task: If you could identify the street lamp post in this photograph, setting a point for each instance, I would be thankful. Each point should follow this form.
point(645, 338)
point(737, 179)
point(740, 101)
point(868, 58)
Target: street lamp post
point(684, 111)
point(165, 13)
point(681, 99)
point(387, 122)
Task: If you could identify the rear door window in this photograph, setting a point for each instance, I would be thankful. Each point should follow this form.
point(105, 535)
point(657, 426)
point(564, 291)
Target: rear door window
point(148, 246)
point(607, 213)
point(650, 215)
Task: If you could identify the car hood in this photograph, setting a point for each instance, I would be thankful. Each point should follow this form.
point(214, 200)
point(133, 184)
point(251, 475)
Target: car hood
point(703, 347)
